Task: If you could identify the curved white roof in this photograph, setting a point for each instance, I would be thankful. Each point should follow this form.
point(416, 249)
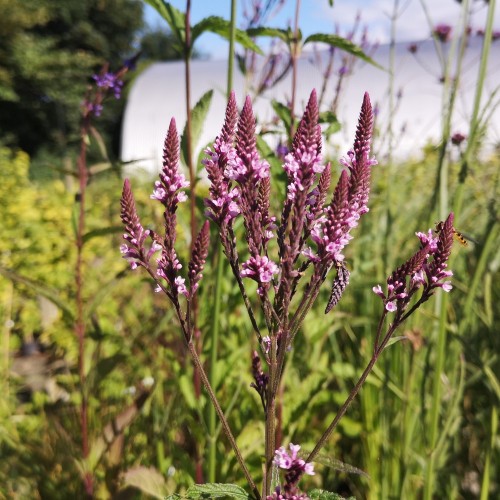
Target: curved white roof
point(158, 94)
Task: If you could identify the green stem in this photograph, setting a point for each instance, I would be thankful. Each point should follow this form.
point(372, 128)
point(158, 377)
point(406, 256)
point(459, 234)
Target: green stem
point(485, 483)
point(222, 418)
point(474, 128)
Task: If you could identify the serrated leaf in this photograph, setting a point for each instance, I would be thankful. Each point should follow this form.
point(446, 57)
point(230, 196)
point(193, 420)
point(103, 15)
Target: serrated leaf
point(222, 27)
point(146, 479)
point(282, 34)
point(216, 490)
point(175, 18)
point(41, 289)
point(326, 495)
point(343, 44)
point(198, 116)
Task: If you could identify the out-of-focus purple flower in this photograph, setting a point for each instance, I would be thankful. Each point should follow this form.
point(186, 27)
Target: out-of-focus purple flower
point(425, 269)
point(343, 70)
point(457, 138)
point(90, 108)
point(111, 82)
point(495, 35)
point(412, 48)
point(442, 32)
point(282, 150)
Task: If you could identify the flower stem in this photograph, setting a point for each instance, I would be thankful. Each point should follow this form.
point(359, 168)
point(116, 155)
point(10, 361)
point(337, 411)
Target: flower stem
point(222, 418)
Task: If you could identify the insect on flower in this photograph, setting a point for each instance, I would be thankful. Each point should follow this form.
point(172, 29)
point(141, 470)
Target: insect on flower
point(460, 237)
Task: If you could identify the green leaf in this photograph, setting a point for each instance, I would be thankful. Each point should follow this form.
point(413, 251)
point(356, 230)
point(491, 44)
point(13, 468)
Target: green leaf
point(186, 388)
point(216, 490)
point(333, 124)
point(343, 44)
point(198, 116)
point(326, 495)
point(175, 18)
point(393, 340)
point(41, 289)
point(273, 32)
point(106, 365)
point(283, 113)
point(146, 479)
point(222, 27)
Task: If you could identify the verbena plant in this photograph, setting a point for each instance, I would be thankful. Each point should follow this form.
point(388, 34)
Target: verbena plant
point(288, 256)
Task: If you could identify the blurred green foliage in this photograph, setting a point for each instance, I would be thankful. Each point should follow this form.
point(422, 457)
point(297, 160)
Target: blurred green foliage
point(48, 51)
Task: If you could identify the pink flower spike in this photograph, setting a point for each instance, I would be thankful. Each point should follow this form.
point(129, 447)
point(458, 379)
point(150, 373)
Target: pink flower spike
point(378, 290)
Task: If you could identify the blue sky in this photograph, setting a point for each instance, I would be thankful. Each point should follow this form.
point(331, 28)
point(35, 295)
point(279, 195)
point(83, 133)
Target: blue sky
point(316, 16)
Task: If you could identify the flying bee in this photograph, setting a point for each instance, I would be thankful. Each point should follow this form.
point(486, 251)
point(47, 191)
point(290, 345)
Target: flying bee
point(460, 237)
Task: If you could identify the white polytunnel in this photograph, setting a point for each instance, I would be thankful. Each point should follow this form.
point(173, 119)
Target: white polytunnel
point(158, 94)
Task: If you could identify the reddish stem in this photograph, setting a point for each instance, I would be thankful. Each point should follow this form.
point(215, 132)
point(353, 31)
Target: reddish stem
point(80, 322)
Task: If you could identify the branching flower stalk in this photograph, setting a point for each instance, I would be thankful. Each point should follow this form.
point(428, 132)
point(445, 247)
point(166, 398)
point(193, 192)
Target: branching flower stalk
point(289, 259)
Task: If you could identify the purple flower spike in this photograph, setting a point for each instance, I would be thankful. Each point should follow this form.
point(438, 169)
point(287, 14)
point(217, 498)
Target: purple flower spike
point(331, 232)
point(167, 192)
point(296, 468)
point(200, 252)
point(426, 268)
point(221, 204)
point(170, 180)
point(261, 378)
point(248, 170)
point(135, 235)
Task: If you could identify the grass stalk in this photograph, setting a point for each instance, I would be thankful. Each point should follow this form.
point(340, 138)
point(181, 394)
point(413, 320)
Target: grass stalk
point(474, 128)
point(485, 483)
